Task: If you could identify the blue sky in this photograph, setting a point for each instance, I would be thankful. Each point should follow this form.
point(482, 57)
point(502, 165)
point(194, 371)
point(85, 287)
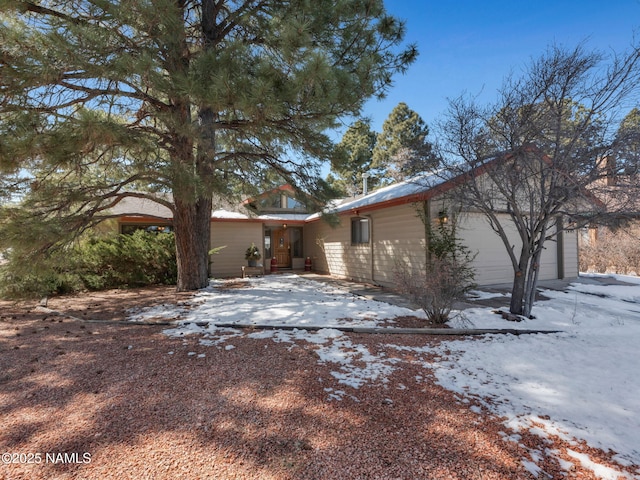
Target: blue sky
point(469, 46)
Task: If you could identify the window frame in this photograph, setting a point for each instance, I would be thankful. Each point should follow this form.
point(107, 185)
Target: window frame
point(360, 231)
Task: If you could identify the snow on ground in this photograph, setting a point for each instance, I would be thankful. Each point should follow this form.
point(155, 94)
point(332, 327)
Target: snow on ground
point(581, 383)
point(287, 300)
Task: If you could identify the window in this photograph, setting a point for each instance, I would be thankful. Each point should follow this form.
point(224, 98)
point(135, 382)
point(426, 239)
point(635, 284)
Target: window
point(296, 242)
point(359, 231)
point(294, 204)
point(267, 243)
point(128, 229)
point(273, 201)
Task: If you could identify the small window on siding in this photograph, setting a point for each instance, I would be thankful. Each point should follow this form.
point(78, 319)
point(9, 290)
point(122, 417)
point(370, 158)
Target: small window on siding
point(359, 231)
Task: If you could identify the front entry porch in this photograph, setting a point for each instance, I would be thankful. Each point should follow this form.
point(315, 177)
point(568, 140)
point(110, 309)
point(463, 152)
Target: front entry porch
point(284, 244)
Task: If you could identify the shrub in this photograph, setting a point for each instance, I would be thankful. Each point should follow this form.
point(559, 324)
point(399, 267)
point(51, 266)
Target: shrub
point(252, 253)
point(446, 278)
point(616, 251)
point(437, 287)
point(134, 260)
point(98, 263)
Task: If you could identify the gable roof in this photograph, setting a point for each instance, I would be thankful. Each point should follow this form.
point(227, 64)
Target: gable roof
point(281, 188)
point(419, 188)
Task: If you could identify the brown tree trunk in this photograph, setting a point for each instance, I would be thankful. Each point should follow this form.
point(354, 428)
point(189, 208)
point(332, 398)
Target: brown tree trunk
point(519, 285)
point(193, 217)
point(192, 223)
point(532, 284)
point(517, 293)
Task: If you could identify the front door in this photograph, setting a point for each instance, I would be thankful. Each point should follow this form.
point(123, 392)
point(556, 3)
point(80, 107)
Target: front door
point(281, 247)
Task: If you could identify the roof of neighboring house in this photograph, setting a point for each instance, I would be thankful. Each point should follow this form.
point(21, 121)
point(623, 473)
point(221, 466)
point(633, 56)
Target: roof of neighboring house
point(142, 207)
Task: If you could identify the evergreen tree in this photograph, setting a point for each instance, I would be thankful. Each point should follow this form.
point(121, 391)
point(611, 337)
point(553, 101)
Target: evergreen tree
point(352, 158)
point(402, 149)
point(103, 99)
point(627, 145)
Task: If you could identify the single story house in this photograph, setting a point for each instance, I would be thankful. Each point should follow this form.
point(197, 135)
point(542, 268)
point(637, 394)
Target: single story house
point(366, 236)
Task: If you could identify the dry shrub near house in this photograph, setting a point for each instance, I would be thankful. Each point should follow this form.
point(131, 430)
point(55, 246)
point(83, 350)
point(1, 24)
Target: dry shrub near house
point(615, 251)
point(437, 287)
point(445, 278)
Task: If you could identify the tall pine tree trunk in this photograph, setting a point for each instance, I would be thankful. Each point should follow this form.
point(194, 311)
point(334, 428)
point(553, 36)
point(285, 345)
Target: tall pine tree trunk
point(192, 229)
point(193, 199)
point(193, 217)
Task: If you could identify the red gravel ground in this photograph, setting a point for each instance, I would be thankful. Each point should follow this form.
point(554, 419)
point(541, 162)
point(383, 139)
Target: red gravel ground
point(118, 405)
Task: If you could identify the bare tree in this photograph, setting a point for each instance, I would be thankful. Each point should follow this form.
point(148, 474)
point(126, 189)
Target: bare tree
point(535, 162)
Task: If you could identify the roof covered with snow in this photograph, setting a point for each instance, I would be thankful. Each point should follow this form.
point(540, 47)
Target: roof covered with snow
point(407, 190)
point(414, 186)
point(285, 217)
point(226, 214)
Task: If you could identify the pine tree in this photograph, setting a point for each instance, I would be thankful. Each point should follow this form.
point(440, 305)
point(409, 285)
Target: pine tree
point(352, 158)
point(627, 145)
point(402, 148)
point(103, 99)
